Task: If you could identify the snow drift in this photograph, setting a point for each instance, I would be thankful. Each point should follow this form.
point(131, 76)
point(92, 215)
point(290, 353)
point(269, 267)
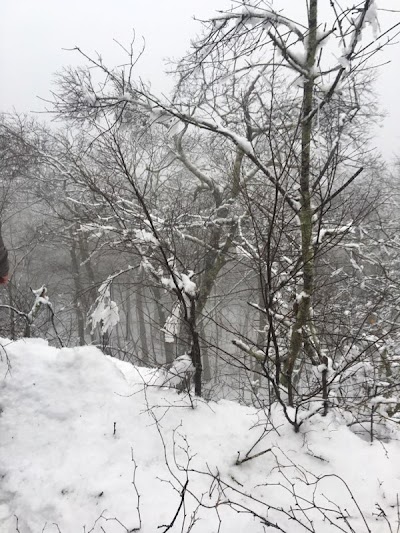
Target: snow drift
point(89, 444)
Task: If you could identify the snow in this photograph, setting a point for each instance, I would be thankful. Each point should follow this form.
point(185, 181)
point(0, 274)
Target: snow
point(371, 17)
point(182, 281)
point(41, 298)
point(106, 312)
point(172, 324)
point(145, 237)
point(188, 285)
point(299, 57)
point(340, 230)
point(174, 375)
point(250, 12)
point(88, 97)
point(168, 283)
point(361, 21)
point(344, 62)
point(77, 427)
point(240, 141)
point(301, 296)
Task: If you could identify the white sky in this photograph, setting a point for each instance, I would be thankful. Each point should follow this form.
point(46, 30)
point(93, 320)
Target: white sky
point(33, 34)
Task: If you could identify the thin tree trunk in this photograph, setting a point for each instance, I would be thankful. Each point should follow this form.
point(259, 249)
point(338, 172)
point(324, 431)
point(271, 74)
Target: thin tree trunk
point(91, 293)
point(141, 322)
point(11, 303)
point(204, 353)
point(106, 341)
point(153, 333)
point(162, 318)
point(195, 351)
point(303, 324)
point(262, 322)
point(78, 290)
point(128, 317)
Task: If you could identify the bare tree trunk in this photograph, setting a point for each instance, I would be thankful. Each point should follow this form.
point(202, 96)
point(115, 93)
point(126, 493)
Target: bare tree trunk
point(195, 351)
point(303, 326)
point(128, 317)
point(12, 318)
point(204, 353)
point(78, 291)
point(162, 318)
point(153, 332)
point(141, 321)
point(106, 341)
point(216, 257)
point(262, 322)
point(85, 259)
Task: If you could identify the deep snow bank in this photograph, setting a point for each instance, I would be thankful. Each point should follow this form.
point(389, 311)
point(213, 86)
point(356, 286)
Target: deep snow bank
point(74, 423)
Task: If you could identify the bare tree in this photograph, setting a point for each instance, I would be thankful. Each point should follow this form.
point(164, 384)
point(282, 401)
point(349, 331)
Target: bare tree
point(268, 86)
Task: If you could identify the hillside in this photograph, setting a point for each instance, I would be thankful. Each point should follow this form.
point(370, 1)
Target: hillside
point(91, 444)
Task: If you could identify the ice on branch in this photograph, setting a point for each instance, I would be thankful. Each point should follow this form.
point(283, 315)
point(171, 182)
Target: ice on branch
point(106, 310)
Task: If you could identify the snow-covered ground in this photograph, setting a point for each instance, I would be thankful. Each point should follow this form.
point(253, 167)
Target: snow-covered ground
point(90, 444)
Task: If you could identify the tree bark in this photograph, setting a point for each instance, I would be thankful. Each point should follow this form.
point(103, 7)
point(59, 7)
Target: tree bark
point(78, 290)
point(141, 321)
point(162, 318)
point(303, 319)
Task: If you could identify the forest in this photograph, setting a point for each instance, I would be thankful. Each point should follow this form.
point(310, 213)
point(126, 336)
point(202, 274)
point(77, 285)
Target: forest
point(246, 221)
point(239, 236)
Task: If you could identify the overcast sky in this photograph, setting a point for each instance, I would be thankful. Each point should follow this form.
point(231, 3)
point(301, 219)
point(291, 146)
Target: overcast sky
point(33, 34)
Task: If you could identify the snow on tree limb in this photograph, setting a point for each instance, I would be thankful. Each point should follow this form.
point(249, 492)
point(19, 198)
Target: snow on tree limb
point(263, 15)
point(172, 325)
point(106, 312)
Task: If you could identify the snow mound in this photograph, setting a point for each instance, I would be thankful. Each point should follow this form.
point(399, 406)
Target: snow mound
point(88, 444)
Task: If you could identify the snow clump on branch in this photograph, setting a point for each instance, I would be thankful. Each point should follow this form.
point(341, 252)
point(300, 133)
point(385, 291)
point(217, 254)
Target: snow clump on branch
point(106, 312)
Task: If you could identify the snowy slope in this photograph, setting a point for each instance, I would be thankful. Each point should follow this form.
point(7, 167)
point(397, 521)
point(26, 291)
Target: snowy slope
point(74, 423)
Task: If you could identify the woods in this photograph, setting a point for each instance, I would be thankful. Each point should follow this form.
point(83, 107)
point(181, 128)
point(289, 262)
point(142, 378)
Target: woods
point(200, 322)
point(244, 220)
